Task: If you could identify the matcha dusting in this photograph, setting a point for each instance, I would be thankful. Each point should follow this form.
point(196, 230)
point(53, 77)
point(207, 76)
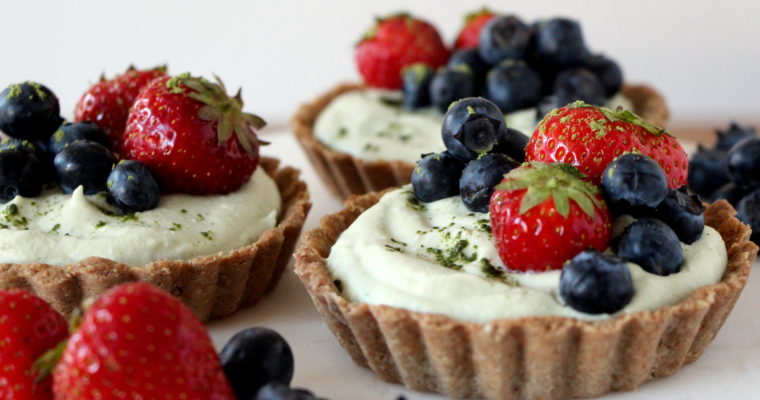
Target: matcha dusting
point(56, 227)
point(13, 217)
point(100, 224)
point(175, 226)
point(451, 257)
point(208, 235)
point(414, 203)
point(489, 270)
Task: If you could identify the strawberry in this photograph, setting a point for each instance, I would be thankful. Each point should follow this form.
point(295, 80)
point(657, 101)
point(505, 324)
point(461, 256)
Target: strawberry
point(589, 137)
point(394, 43)
point(544, 214)
point(28, 328)
point(469, 36)
point(107, 102)
point(138, 342)
point(192, 135)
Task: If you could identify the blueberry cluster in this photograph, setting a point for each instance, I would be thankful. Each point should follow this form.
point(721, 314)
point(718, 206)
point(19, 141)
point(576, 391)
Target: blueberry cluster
point(518, 66)
point(480, 149)
point(634, 185)
point(258, 363)
point(42, 149)
point(730, 171)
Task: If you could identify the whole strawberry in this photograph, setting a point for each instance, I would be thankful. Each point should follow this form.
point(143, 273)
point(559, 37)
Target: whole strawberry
point(544, 214)
point(193, 136)
point(394, 43)
point(28, 328)
point(138, 342)
point(107, 102)
point(589, 137)
point(469, 36)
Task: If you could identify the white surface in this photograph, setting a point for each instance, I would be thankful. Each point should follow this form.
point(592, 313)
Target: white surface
point(729, 369)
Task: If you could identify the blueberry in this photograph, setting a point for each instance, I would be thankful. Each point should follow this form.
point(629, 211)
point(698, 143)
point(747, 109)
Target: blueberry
point(471, 58)
point(748, 211)
point(513, 86)
point(730, 192)
point(21, 174)
point(18, 144)
point(132, 187)
point(436, 177)
point(451, 84)
point(633, 180)
point(29, 111)
point(653, 245)
point(473, 126)
point(254, 357)
point(596, 283)
point(707, 170)
point(280, 391)
point(39, 149)
point(83, 163)
point(416, 85)
point(683, 213)
point(559, 41)
point(69, 132)
point(733, 135)
point(580, 84)
point(505, 37)
point(551, 102)
point(743, 163)
point(513, 145)
point(607, 71)
point(479, 178)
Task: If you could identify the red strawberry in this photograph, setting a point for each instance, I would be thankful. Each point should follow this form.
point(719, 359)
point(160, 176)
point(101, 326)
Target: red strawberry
point(138, 342)
point(28, 328)
point(544, 214)
point(469, 36)
point(394, 43)
point(589, 137)
point(107, 102)
point(192, 135)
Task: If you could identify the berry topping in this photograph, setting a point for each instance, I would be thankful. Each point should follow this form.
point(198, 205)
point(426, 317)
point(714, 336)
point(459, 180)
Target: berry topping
point(683, 213)
point(607, 71)
point(580, 84)
point(193, 136)
point(394, 43)
point(744, 163)
point(559, 41)
point(29, 327)
point(748, 211)
point(550, 103)
point(513, 145)
point(451, 84)
point(733, 135)
point(436, 177)
point(416, 86)
point(633, 180)
point(730, 192)
point(513, 86)
point(651, 244)
point(504, 37)
point(132, 188)
point(70, 132)
point(469, 36)
point(280, 391)
point(544, 214)
point(479, 178)
point(84, 163)
point(255, 357)
point(596, 283)
point(21, 173)
point(471, 59)
point(29, 111)
point(707, 170)
point(473, 126)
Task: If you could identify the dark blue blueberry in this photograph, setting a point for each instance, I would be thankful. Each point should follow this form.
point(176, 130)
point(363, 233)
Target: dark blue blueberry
point(416, 85)
point(39, 150)
point(683, 213)
point(29, 111)
point(83, 163)
point(748, 211)
point(607, 71)
point(479, 178)
point(580, 84)
point(21, 174)
point(559, 41)
point(450, 85)
point(472, 60)
point(70, 132)
point(473, 126)
point(254, 357)
point(436, 176)
point(280, 391)
point(707, 171)
point(743, 163)
point(730, 192)
point(132, 187)
point(733, 135)
point(513, 86)
point(513, 145)
point(18, 144)
point(596, 283)
point(651, 244)
point(551, 102)
point(505, 37)
point(633, 180)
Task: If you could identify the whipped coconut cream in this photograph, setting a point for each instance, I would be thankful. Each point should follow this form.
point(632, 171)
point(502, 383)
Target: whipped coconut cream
point(441, 258)
point(60, 229)
point(370, 124)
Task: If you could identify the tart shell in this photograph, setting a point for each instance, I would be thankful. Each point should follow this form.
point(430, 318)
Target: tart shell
point(345, 174)
point(542, 357)
point(212, 286)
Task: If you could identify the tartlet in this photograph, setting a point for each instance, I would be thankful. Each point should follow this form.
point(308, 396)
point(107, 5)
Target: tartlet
point(212, 286)
point(345, 174)
point(532, 357)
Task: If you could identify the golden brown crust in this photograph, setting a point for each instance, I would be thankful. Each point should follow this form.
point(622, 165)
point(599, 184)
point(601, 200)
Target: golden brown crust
point(537, 357)
point(213, 286)
point(345, 175)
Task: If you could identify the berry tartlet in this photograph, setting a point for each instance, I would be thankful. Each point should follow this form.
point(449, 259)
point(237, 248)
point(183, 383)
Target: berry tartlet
point(366, 137)
point(159, 179)
point(583, 270)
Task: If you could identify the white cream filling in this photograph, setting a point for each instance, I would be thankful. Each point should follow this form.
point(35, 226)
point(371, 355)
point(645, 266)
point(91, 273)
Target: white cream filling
point(60, 229)
point(384, 258)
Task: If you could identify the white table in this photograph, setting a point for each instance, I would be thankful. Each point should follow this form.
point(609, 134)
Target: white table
point(729, 369)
